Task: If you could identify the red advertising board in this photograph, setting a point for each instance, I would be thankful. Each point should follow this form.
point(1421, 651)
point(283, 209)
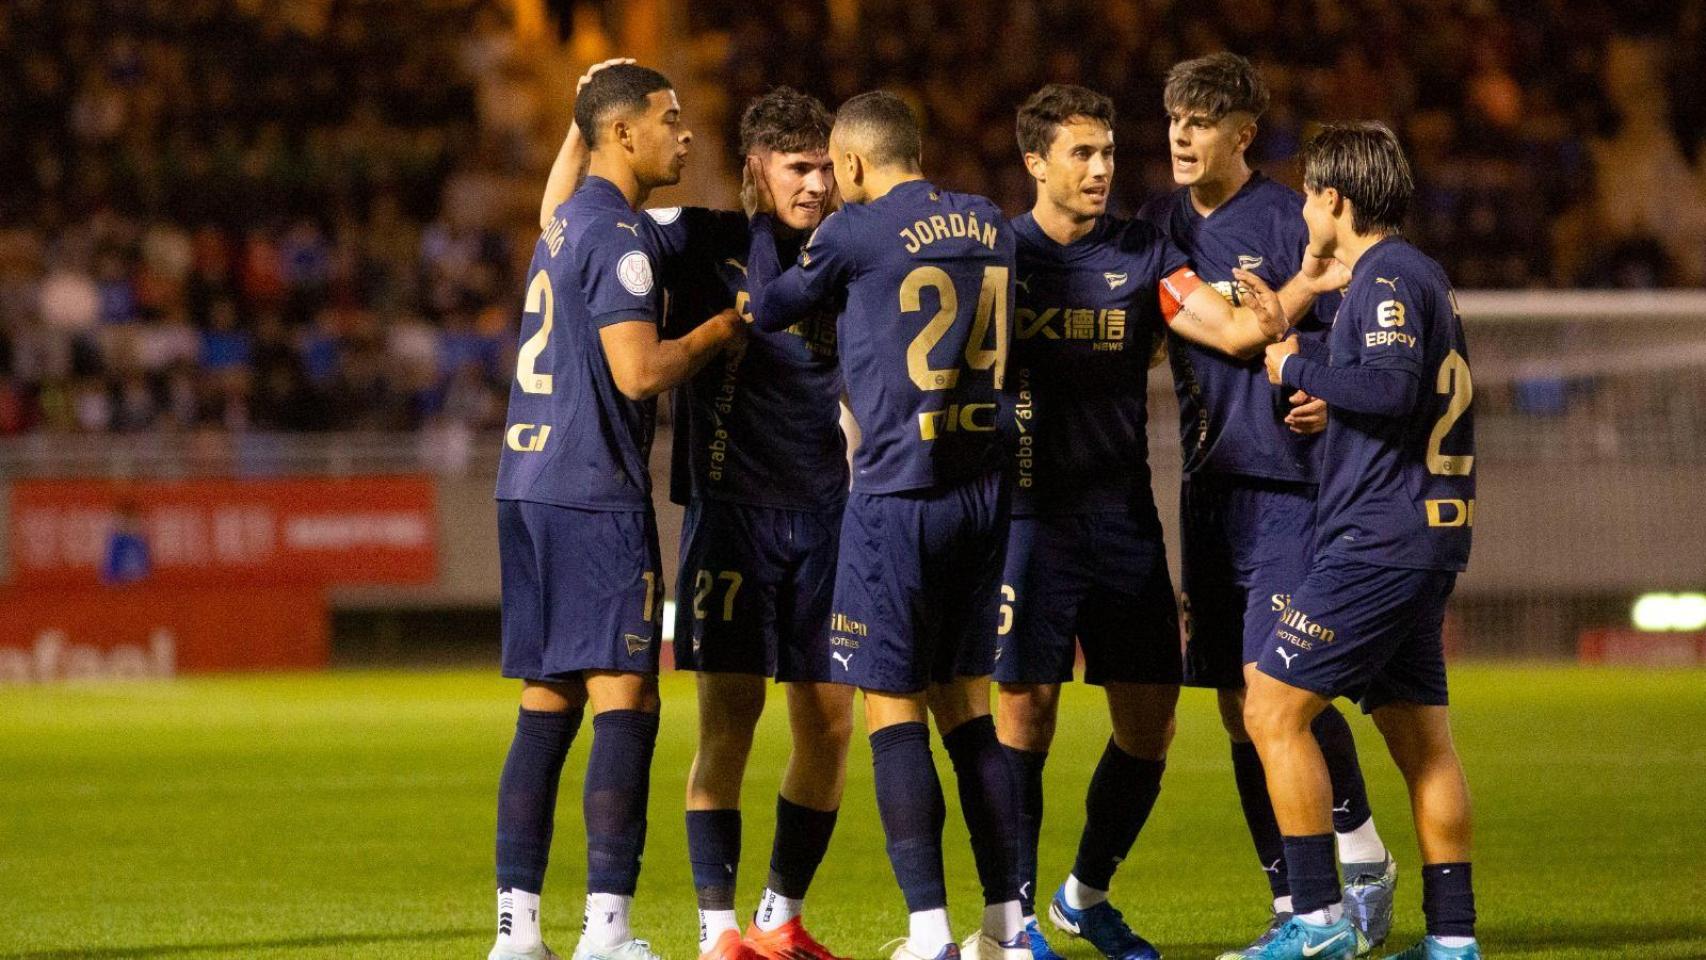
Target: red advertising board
point(134, 632)
point(1635, 648)
point(298, 531)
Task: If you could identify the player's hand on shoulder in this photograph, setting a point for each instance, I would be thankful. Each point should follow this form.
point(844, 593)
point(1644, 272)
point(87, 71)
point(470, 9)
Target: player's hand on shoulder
point(1261, 298)
point(1276, 354)
point(1308, 414)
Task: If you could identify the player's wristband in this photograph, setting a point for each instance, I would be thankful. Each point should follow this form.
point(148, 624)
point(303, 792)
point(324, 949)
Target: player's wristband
point(1176, 288)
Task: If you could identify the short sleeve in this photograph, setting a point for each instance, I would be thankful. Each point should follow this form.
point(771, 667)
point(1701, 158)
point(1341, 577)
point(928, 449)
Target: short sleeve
point(682, 231)
point(618, 273)
point(1388, 324)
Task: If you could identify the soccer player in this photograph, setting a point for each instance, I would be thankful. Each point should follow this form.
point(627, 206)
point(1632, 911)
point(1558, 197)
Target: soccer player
point(763, 495)
point(922, 279)
point(1248, 497)
point(1085, 563)
point(1397, 506)
point(764, 482)
point(578, 540)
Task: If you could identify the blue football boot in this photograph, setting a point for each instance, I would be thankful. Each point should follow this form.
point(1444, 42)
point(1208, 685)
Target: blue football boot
point(1369, 891)
point(1102, 927)
point(1275, 922)
point(1300, 940)
point(1431, 949)
point(1040, 950)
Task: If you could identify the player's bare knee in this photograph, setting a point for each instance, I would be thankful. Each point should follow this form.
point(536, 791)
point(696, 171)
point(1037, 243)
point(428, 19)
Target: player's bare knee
point(957, 701)
point(622, 691)
point(1418, 737)
point(1143, 717)
point(1026, 714)
point(549, 696)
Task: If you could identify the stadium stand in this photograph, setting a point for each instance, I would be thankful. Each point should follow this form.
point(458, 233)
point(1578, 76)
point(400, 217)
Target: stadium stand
point(289, 217)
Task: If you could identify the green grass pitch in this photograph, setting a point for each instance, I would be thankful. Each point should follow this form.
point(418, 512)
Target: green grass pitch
point(350, 815)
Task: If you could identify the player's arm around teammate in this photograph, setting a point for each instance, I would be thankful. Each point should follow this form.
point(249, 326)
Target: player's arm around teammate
point(922, 278)
point(1397, 507)
point(580, 565)
point(768, 479)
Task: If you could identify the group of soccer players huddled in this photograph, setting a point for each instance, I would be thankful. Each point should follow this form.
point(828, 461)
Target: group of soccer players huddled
point(998, 518)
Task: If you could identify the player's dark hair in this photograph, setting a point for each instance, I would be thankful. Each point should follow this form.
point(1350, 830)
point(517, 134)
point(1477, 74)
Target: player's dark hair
point(623, 87)
point(885, 126)
point(786, 121)
point(1364, 162)
point(1214, 86)
point(1054, 105)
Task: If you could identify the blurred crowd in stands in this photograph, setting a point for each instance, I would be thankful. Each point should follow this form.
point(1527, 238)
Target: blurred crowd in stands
point(1507, 107)
point(229, 215)
point(266, 216)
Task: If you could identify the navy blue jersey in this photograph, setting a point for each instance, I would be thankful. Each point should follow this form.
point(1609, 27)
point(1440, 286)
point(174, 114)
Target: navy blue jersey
point(571, 438)
point(1400, 491)
point(763, 426)
point(922, 279)
point(1231, 420)
point(1087, 321)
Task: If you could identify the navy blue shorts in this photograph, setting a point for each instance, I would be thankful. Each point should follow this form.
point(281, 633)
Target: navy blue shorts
point(755, 590)
point(582, 590)
point(1098, 578)
point(1363, 631)
point(918, 586)
point(1246, 543)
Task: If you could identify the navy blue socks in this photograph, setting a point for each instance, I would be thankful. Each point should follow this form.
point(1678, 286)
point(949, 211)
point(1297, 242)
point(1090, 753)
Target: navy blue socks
point(990, 805)
point(1252, 783)
point(909, 799)
point(1027, 770)
point(527, 796)
point(1339, 747)
point(802, 839)
point(1314, 872)
point(618, 780)
point(713, 851)
point(1121, 795)
point(1448, 900)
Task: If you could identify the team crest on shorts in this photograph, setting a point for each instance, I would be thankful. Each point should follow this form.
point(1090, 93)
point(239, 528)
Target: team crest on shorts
point(636, 643)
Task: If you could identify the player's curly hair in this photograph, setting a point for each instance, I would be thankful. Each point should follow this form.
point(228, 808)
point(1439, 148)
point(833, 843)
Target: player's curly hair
point(1054, 105)
point(1214, 86)
point(1364, 162)
point(786, 121)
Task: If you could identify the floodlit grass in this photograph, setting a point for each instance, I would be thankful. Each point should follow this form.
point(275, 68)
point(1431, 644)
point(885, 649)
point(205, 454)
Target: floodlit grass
point(350, 815)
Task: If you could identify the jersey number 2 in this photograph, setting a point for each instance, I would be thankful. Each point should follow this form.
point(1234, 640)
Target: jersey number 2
point(539, 300)
point(1454, 381)
point(991, 307)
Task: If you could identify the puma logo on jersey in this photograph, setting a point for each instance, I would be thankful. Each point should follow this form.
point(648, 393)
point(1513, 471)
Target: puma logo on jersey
point(845, 659)
point(633, 228)
point(1393, 283)
point(1115, 280)
point(1023, 283)
point(1248, 262)
point(1287, 657)
point(737, 265)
